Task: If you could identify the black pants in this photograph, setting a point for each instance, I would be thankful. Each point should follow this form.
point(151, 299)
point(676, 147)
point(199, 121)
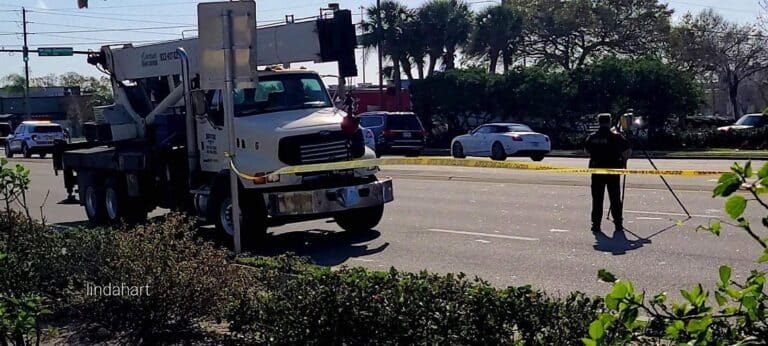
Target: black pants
point(599, 183)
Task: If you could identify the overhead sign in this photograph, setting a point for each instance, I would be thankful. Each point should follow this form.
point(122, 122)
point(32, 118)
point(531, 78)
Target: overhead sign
point(227, 25)
point(55, 51)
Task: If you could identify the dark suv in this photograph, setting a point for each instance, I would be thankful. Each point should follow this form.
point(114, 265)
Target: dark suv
point(395, 132)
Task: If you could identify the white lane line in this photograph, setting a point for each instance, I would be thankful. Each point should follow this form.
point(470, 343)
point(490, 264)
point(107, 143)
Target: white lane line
point(649, 218)
point(555, 230)
point(481, 234)
point(665, 214)
point(482, 241)
point(362, 259)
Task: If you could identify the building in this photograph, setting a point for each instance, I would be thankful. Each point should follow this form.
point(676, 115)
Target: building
point(58, 104)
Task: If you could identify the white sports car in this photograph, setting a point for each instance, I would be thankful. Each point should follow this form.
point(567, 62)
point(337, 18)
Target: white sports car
point(500, 140)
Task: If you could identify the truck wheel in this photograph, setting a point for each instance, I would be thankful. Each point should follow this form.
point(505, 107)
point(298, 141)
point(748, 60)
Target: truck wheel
point(25, 151)
point(93, 200)
point(497, 152)
point(8, 152)
point(254, 217)
point(119, 207)
point(357, 220)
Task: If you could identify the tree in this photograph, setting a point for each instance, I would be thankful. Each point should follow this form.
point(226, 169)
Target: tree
point(446, 25)
point(708, 43)
point(496, 34)
point(570, 33)
point(414, 48)
point(13, 83)
point(390, 38)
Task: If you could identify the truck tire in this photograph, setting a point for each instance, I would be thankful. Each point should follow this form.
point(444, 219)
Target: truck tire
point(25, 151)
point(8, 152)
point(253, 225)
point(119, 206)
point(92, 197)
point(359, 220)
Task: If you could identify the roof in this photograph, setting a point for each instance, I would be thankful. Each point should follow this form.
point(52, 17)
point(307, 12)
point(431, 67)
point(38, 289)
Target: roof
point(386, 113)
point(506, 124)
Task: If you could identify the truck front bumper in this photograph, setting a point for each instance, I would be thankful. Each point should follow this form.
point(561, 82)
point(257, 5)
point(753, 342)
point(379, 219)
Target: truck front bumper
point(328, 201)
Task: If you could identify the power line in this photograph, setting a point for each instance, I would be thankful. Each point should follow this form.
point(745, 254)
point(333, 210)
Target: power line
point(731, 9)
point(109, 18)
point(113, 30)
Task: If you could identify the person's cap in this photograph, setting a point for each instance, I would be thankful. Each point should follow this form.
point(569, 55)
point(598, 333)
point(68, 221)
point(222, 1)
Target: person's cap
point(604, 119)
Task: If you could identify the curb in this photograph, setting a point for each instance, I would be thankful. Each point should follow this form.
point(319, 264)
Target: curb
point(693, 155)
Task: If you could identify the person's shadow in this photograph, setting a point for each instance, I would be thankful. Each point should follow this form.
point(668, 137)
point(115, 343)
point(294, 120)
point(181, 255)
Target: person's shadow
point(619, 244)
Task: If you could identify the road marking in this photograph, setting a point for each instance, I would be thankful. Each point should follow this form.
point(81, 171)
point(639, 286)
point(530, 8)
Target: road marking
point(481, 234)
point(554, 230)
point(649, 218)
point(362, 259)
point(665, 214)
point(482, 241)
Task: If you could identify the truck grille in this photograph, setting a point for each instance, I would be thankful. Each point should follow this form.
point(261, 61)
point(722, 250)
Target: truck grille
point(320, 148)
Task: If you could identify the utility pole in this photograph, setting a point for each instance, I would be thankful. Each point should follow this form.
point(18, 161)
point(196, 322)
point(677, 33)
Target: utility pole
point(380, 34)
point(362, 22)
point(25, 55)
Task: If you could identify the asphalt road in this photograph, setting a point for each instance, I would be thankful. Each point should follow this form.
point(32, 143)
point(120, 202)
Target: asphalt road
point(512, 228)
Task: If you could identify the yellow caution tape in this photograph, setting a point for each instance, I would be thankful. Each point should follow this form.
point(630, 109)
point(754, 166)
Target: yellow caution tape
point(256, 179)
point(434, 161)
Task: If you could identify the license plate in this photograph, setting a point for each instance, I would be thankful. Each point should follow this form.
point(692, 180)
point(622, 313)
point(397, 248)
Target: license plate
point(407, 135)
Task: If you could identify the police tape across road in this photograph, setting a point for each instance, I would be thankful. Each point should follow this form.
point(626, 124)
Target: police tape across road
point(451, 162)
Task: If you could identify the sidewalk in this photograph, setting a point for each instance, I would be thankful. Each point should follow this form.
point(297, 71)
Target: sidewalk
point(714, 154)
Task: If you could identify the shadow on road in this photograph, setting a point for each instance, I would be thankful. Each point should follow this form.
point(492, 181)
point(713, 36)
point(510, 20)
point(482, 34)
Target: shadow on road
point(322, 247)
point(618, 244)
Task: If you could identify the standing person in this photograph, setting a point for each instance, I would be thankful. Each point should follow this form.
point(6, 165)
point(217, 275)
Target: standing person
point(607, 149)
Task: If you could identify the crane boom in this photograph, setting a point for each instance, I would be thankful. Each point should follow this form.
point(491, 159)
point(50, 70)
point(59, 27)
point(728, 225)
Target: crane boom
point(320, 40)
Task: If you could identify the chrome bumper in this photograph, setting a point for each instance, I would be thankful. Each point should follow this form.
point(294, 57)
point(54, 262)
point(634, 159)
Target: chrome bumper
point(325, 201)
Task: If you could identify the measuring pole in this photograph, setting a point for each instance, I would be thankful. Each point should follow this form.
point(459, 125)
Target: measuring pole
point(229, 124)
point(25, 55)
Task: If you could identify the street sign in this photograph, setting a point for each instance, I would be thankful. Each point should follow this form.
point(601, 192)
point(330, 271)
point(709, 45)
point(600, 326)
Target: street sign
point(227, 26)
point(55, 51)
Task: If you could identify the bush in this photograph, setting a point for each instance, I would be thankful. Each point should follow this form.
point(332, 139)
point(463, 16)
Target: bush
point(356, 306)
point(188, 280)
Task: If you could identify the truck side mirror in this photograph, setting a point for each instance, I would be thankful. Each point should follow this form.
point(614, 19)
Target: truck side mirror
point(199, 103)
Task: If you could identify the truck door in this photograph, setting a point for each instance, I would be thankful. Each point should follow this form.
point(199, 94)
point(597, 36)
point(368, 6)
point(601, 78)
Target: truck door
point(212, 141)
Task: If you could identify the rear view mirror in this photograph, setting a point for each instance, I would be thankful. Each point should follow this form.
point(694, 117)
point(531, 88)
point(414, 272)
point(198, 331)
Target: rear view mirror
point(199, 103)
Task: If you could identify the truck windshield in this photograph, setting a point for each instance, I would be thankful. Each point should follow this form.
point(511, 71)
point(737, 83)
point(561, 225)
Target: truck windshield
point(282, 92)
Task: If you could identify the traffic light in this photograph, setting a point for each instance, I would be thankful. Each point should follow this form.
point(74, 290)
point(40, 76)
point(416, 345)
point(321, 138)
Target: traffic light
point(82, 3)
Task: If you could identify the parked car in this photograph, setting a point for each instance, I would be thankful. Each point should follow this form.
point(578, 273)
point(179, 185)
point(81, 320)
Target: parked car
point(34, 137)
point(395, 132)
point(748, 121)
point(370, 139)
point(500, 140)
point(5, 130)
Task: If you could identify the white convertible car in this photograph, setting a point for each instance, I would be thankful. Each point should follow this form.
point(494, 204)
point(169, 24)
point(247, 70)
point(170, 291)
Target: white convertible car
point(500, 140)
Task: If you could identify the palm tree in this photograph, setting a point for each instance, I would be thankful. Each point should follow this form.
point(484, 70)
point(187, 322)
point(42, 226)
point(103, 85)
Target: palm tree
point(390, 38)
point(414, 47)
point(497, 33)
point(446, 25)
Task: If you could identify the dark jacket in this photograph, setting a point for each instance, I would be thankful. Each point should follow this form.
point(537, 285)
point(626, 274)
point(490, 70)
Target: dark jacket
point(606, 149)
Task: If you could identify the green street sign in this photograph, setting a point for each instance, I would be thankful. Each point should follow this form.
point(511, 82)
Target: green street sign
point(55, 51)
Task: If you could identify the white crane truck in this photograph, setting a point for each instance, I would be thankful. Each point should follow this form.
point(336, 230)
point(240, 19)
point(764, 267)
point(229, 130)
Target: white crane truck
point(162, 144)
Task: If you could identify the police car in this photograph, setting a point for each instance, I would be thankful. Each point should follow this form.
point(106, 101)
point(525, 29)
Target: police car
point(34, 137)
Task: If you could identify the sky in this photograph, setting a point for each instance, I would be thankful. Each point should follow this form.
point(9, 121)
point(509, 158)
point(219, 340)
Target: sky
point(59, 23)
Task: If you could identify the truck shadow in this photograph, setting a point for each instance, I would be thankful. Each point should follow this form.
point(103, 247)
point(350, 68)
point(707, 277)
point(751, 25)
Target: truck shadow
point(322, 247)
